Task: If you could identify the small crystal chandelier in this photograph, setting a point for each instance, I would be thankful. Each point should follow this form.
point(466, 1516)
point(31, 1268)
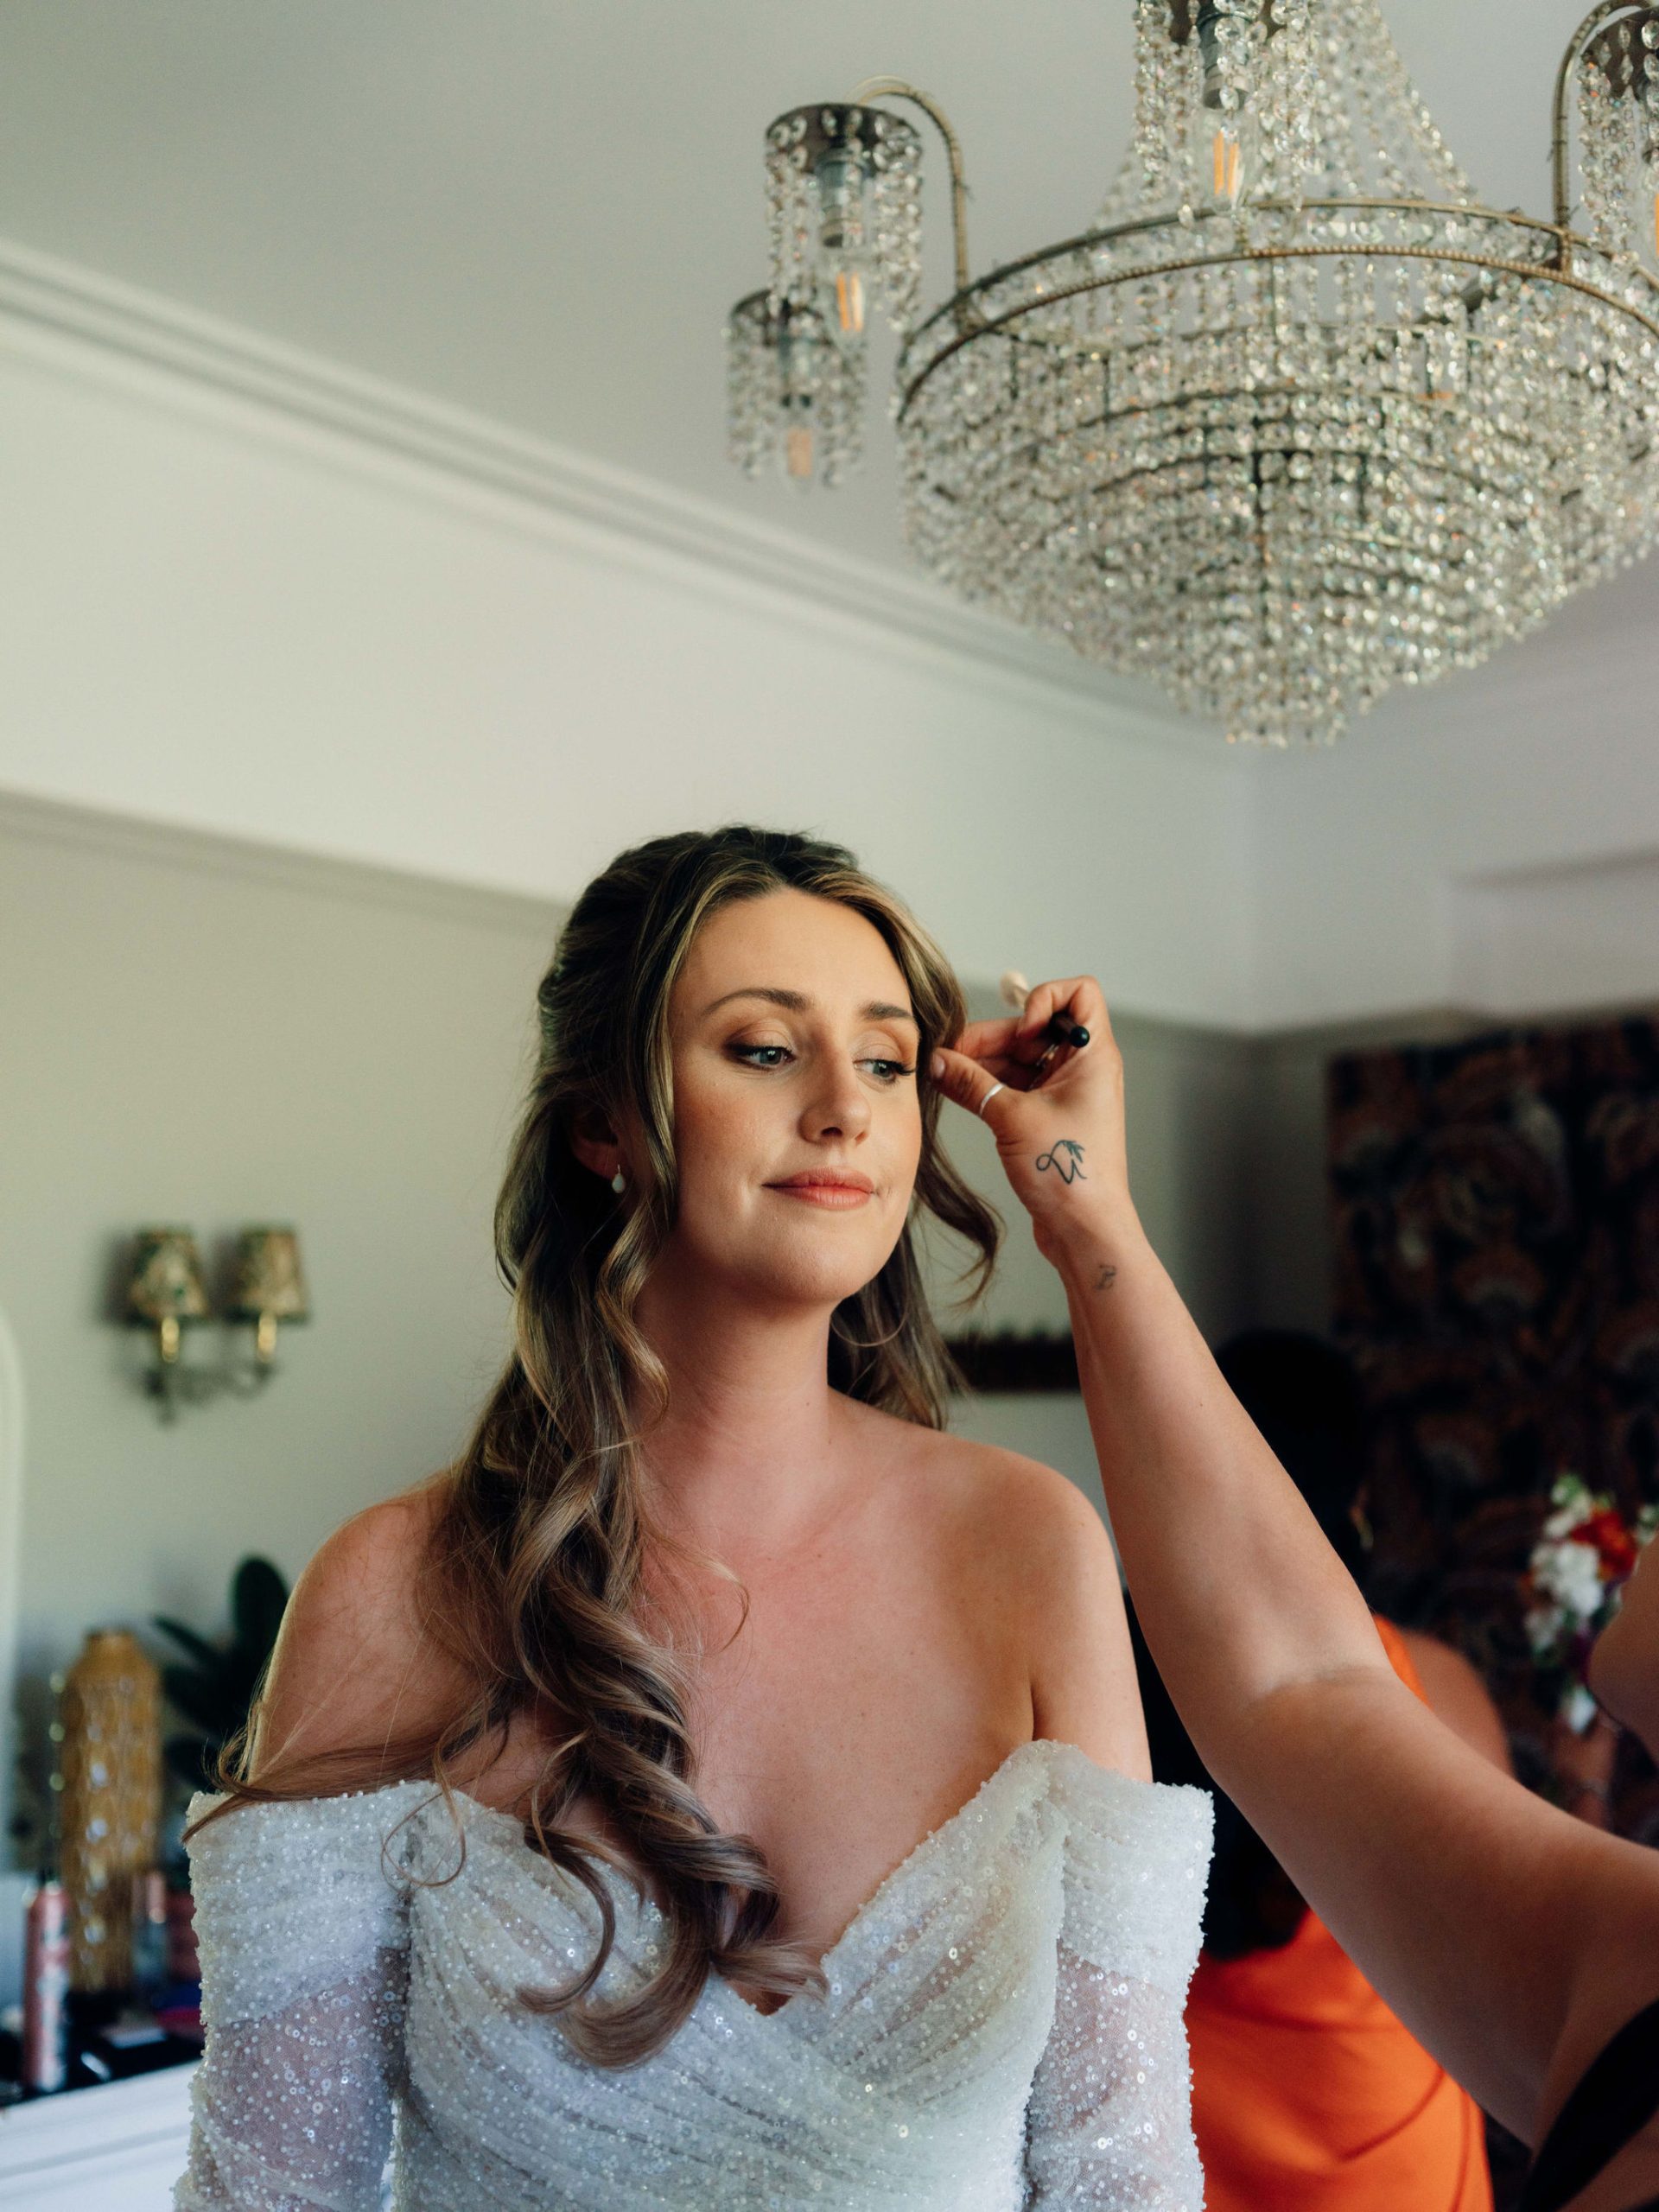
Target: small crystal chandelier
point(1297, 418)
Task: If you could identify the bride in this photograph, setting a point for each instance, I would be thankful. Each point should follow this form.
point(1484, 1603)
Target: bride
point(722, 1787)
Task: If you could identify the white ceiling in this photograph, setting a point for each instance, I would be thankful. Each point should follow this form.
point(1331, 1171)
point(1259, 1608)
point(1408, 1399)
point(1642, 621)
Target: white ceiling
point(541, 209)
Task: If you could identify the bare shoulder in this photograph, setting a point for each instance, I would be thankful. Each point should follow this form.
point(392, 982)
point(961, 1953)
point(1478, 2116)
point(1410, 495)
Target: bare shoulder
point(1033, 1520)
point(351, 1665)
point(1031, 1541)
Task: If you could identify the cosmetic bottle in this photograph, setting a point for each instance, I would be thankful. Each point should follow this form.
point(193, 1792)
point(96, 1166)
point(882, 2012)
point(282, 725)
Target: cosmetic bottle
point(149, 1975)
point(46, 1987)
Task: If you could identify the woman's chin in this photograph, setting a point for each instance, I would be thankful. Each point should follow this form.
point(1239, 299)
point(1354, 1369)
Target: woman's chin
point(825, 1284)
point(803, 1270)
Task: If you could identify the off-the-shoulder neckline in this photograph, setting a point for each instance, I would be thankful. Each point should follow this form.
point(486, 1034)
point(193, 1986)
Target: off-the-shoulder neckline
point(1044, 1750)
point(1100, 1777)
point(1103, 1782)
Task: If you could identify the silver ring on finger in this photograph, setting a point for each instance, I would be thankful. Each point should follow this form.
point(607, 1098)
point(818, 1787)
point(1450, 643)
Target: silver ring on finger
point(986, 1100)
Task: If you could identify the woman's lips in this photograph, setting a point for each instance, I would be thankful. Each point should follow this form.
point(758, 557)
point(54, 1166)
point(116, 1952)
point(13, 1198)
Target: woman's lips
point(838, 1198)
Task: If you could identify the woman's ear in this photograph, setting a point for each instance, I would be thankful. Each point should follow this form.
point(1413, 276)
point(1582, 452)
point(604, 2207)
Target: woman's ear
point(595, 1143)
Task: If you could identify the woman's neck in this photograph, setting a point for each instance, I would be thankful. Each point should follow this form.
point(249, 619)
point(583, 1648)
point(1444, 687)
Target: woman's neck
point(750, 1451)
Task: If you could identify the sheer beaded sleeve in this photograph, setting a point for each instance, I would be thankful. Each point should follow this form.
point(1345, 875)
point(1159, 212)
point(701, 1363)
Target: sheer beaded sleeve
point(1108, 2125)
point(303, 1929)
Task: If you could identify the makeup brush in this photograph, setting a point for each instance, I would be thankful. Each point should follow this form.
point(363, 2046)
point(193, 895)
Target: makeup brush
point(1014, 990)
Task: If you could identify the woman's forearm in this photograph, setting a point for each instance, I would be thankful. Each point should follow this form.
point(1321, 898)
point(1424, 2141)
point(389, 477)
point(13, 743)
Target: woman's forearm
point(1271, 1656)
point(1240, 1594)
point(1461, 1898)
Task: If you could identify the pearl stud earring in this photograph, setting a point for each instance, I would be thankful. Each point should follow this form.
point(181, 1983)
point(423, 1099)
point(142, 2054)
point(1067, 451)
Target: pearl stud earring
point(619, 1182)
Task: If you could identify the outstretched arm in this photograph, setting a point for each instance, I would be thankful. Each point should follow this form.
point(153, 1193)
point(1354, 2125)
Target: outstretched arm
point(1510, 1939)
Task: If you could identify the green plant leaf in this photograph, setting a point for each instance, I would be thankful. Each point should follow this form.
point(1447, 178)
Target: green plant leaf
point(258, 1599)
point(206, 1656)
point(190, 1758)
point(201, 1699)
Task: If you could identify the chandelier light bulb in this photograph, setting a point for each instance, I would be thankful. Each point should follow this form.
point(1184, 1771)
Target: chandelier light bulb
point(795, 451)
point(1299, 418)
point(842, 188)
point(1226, 157)
point(800, 372)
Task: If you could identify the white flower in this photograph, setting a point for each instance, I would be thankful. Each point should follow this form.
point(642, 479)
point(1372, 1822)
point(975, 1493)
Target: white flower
point(1571, 1575)
point(1578, 1707)
point(1544, 1627)
point(1570, 1496)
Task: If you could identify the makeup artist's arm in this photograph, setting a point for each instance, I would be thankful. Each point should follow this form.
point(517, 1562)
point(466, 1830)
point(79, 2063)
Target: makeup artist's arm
point(1511, 1939)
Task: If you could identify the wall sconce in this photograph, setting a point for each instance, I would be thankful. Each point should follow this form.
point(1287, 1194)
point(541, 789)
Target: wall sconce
point(166, 1292)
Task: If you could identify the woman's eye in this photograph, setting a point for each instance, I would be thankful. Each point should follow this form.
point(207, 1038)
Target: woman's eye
point(775, 1056)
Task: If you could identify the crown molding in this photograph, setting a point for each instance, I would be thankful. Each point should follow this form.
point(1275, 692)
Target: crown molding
point(307, 874)
point(208, 359)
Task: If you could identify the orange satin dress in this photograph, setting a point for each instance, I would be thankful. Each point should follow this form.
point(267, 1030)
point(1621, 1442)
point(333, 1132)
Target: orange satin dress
point(1308, 2095)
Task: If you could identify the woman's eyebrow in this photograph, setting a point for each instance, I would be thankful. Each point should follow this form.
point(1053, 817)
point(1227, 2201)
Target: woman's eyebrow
point(797, 1002)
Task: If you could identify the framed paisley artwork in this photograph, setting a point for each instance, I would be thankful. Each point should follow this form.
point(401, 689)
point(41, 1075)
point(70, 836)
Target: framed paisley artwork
point(1495, 1212)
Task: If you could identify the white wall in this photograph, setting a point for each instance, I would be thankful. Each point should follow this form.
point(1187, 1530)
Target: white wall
point(1429, 859)
point(218, 614)
point(200, 1034)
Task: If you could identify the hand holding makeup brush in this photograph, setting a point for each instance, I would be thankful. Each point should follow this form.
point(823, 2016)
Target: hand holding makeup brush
point(1056, 1109)
point(1015, 992)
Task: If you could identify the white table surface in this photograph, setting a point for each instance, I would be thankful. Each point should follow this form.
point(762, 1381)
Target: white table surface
point(117, 2148)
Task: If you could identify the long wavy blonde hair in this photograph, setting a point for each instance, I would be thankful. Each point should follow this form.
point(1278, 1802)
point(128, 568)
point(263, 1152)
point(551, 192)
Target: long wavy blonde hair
point(531, 1581)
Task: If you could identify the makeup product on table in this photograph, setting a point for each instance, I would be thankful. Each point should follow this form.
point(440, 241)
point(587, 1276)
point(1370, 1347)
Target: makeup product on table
point(46, 1987)
point(149, 1976)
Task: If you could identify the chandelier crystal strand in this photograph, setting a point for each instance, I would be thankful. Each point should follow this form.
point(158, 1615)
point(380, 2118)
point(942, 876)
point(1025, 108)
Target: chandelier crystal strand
point(896, 216)
point(1299, 420)
point(1155, 108)
point(1285, 126)
point(844, 213)
point(1603, 156)
point(795, 400)
point(1618, 134)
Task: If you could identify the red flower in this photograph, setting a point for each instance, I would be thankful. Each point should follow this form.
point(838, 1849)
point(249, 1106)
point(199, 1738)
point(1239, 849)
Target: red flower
point(1612, 1539)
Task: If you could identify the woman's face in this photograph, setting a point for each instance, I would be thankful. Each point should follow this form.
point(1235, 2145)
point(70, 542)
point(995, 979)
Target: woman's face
point(1624, 1661)
point(796, 1122)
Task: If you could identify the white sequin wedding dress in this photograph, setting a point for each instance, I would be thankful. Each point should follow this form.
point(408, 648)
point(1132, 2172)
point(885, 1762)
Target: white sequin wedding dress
point(1001, 2027)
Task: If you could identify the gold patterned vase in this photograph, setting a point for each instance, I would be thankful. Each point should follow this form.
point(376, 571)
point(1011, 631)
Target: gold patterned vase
point(111, 1802)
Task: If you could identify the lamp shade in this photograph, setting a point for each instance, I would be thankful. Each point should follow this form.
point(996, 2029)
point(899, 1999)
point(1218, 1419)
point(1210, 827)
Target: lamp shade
point(165, 1281)
point(268, 1283)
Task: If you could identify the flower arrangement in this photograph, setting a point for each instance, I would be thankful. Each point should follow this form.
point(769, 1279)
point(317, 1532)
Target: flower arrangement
point(1584, 1557)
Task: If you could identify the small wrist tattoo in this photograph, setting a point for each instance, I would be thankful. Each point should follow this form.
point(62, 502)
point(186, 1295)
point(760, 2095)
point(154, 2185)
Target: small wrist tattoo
point(1066, 1158)
point(1106, 1278)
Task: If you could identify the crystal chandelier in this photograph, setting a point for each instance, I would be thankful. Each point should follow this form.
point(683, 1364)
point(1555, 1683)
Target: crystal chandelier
point(1297, 418)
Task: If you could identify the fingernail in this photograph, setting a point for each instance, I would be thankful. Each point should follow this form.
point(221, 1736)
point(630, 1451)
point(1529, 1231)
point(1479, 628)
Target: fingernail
point(936, 1066)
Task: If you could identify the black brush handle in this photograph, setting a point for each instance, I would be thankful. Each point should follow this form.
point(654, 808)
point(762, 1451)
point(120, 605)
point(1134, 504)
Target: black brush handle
point(1062, 1030)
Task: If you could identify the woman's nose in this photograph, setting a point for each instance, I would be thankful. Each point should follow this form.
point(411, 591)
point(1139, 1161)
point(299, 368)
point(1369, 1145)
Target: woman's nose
point(839, 1106)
